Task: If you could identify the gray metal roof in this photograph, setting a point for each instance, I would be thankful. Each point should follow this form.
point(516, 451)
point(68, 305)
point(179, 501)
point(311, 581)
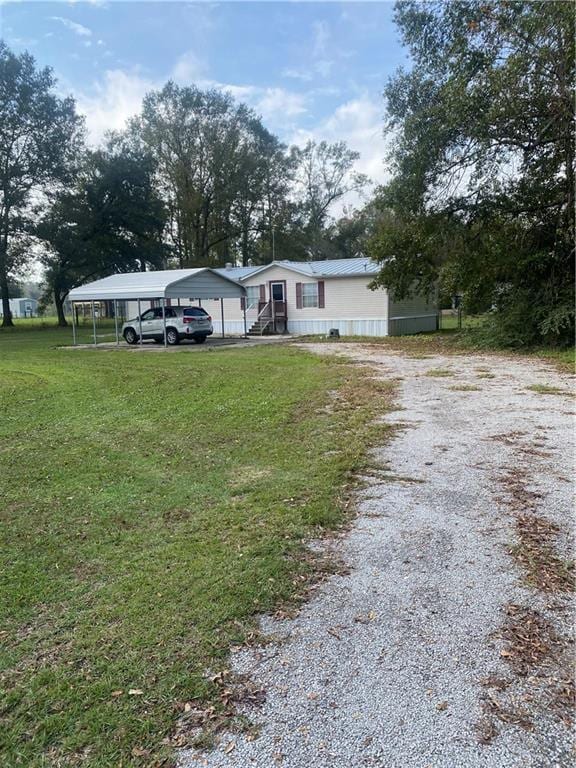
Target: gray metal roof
point(200, 283)
point(237, 273)
point(328, 268)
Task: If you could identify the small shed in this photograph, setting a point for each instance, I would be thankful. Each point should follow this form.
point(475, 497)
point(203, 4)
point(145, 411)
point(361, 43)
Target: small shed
point(22, 307)
point(162, 286)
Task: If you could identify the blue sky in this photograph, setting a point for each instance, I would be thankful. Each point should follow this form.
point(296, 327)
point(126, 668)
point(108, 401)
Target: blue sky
point(312, 70)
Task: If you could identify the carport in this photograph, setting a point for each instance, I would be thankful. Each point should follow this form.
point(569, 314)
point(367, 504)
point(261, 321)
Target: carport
point(163, 285)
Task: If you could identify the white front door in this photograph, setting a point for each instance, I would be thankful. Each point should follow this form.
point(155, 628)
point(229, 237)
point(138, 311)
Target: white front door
point(277, 292)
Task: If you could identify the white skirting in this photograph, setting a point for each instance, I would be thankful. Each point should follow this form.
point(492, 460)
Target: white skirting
point(368, 326)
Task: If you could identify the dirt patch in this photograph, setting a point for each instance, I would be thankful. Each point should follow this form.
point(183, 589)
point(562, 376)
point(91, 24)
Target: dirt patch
point(541, 662)
point(535, 554)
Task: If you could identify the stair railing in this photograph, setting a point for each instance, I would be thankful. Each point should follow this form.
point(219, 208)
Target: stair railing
point(263, 318)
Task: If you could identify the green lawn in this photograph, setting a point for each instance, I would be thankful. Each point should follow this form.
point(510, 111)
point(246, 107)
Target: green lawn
point(151, 505)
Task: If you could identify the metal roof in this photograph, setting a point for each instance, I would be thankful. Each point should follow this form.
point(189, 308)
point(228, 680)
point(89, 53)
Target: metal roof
point(238, 273)
point(328, 268)
point(202, 283)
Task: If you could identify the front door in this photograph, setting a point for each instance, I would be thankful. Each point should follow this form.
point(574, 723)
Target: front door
point(277, 291)
point(278, 302)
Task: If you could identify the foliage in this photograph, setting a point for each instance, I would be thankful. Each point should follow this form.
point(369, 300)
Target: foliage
point(39, 134)
point(144, 526)
point(224, 176)
point(234, 191)
point(483, 193)
point(325, 173)
point(111, 221)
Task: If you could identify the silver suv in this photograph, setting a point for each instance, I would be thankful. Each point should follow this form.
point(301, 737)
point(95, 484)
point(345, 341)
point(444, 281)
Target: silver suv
point(181, 323)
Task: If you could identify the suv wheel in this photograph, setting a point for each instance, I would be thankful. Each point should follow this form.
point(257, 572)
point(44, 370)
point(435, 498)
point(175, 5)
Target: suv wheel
point(130, 336)
point(172, 337)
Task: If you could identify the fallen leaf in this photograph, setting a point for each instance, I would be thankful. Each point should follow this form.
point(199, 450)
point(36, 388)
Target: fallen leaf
point(116, 693)
point(312, 696)
point(139, 752)
point(229, 747)
point(135, 692)
point(441, 706)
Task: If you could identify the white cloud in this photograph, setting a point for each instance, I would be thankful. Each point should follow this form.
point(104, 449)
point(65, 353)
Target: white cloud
point(115, 99)
point(297, 74)
point(278, 104)
point(358, 122)
point(99, 3)
point(321, 38)
point(73, 26)
point(188, 69)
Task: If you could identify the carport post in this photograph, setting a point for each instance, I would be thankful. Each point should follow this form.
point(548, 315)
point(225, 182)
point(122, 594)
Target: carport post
point(73, 324)
point(164, 318)
point(116, 322)
point(245, 326)
point(140, 322)
point(222, 316)
point(94, 324)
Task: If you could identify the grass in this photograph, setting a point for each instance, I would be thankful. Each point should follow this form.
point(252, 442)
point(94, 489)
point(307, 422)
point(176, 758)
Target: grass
point(545, 389)
point(439, 373)
point(151, 506)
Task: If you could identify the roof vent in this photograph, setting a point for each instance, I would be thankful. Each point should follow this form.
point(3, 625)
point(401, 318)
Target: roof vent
point(228, 265)
point(250, 263)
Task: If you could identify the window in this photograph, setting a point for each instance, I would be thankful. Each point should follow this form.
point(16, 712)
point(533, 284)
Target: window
point(195, 312)
point(309, 294)
point(148, 315)
point(252, 296)
point(277, 291)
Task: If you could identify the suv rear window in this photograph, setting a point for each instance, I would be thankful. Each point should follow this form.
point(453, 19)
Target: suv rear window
point(195, 311)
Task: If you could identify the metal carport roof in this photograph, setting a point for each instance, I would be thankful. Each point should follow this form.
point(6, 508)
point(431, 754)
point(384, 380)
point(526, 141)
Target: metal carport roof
point(202, 283)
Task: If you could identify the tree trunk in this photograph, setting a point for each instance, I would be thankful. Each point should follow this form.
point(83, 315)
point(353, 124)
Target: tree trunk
point(7, 314)
point(245, 254)
point(59, 302)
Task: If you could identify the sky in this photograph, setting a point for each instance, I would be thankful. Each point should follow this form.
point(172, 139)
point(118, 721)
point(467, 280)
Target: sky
point(311, 70)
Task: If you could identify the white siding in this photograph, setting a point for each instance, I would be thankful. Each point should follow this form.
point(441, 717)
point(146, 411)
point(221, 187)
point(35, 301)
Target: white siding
point(349, 306)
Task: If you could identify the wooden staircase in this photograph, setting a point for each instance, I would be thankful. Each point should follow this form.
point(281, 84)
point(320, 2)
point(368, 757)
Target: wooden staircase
point(262, 327)
point(271, 319)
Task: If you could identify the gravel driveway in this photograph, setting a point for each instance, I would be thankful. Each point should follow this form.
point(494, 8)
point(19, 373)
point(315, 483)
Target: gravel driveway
point(401, 661)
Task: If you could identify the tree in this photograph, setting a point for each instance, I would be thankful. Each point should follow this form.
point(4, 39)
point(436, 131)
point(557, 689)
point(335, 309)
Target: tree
point(212, 157)
point(39, 134)
point(483, 192)
point(111, 221)
point(325, 174)
point(348, 236)
point(262, 189)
